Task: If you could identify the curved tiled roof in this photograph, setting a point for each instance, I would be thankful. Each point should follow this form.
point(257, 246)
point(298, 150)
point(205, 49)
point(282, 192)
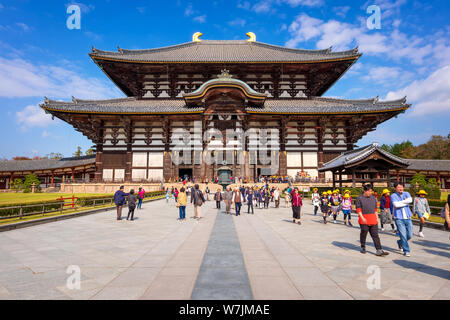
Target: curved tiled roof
point(224, 51)
point(45, 164)
point(428, 165)
point(123, 105)
point(353, 156)
point(316, 105)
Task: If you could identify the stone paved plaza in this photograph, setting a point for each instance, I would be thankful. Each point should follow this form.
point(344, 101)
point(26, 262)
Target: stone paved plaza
point(260, 256)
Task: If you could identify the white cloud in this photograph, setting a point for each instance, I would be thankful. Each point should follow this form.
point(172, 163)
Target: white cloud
point(384, 74)
point(244, 5)
point(237, 22)
point(141, 10)
point(344, 36)
point(20, 78)
point(341, 11)
point(45, 134)
point(428, 96)
point(33, 116)
point(200, 19)
point(84, 8)
point(262, 6)
point(308, 3)
point(23, 26)
point(188, 11)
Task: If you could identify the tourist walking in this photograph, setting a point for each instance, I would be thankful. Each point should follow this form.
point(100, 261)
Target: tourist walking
point(167, 195)
point(366, 207)
point(324, 206)
point(385, 210)
point(315, 197)
point(197, 199)
point(218, 197)
point(266, 197)
point(181, 204)
point(422, 209)
point(207, 193)
point(276, 197)
point(445, 213)
point(141, 194)
point(296, 205)
point(131, 204)
point(259, 198)
point(228, 198)
point(175, 194)
point(237, 199)
point(400, 201)
point(335, 202)
point(287, 198)
point(119, 200)
point(347, 209)
point(250, 201)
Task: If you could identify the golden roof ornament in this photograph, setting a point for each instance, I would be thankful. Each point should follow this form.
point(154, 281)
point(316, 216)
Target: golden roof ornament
point(196, 36)
point(251, 36)
point(225, 74)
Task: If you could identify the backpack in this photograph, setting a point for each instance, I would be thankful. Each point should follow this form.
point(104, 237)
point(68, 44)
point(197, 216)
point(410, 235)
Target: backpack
point(199, 201)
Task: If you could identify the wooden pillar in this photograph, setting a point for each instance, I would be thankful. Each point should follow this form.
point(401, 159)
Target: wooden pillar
point(51, 184)
point(353, 178)
point(388, 175)
point(334, 179)
point(340, 179)
point(73, 174)
point(99, 163)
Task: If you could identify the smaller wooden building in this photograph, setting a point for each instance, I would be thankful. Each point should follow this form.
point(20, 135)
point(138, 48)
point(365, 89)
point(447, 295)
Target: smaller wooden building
point(366, 164)
point(50, 172)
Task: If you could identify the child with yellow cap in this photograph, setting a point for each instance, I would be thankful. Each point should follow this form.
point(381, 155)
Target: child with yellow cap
point(324, 206)
point(422, 209)
point(315, 197)
point(347, 209)
point(385, 210)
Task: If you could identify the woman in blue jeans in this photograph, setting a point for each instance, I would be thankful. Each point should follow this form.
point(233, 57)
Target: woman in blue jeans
point(181, 204)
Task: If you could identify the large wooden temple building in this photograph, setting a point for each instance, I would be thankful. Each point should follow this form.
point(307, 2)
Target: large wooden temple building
point(205, 86)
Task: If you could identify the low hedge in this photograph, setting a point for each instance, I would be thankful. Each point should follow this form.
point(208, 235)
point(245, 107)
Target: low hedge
point(54, 205)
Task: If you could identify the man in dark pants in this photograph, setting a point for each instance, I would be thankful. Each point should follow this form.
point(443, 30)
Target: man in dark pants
point(250, 201)
point(119, 199)
point(366, 207)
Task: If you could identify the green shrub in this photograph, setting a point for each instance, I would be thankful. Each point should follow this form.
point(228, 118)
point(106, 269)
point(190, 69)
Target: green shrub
point(29, 181)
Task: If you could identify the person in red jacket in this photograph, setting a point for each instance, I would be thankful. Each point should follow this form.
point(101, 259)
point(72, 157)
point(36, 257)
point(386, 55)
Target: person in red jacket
point(296, 205)
point(366, 207)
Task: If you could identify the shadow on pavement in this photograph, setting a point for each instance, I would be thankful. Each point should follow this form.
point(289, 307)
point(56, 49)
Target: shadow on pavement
point(437, 272)
point(352, 246)
point(433, 244)
point(439, 253)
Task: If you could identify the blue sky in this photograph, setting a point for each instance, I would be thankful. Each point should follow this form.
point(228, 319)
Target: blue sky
point(40, 56)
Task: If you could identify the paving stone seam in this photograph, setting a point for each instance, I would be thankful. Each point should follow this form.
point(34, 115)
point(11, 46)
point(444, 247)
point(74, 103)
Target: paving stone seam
point(270, 252)
point(289, 243)
point(176, 252)
point(149, 250)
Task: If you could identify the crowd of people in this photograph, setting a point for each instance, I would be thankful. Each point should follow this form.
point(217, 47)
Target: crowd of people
point(393, 209)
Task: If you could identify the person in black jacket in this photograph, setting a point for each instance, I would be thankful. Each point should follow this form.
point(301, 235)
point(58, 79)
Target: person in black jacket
point(250, 201)
point(119, 199)
point(197, 199)
point(218, 197)
point(131, 204)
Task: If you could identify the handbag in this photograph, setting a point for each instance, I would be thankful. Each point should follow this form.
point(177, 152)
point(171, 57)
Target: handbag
point(426, 215)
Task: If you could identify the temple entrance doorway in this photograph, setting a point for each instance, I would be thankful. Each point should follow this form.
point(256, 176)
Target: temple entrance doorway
point(185, 173)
